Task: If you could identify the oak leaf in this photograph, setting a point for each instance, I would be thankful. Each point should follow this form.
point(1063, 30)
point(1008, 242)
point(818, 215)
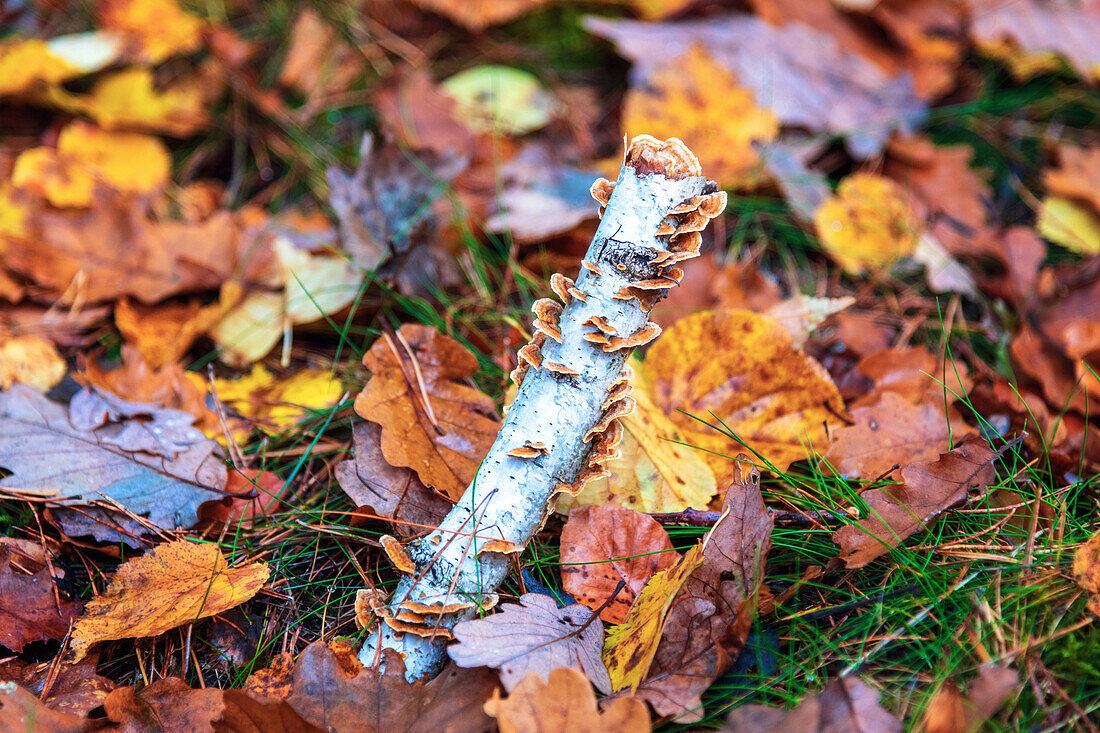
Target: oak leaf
point(564, 702)
point(431, 422)
point(391, 492)
point(175, 584)
point(867, 224)
point(534, 637)
point(29, 607)
point(846, 704)
point(927, 490)
point(738, 370)
point(32, 360)
point(702, 102)
point(604, 544)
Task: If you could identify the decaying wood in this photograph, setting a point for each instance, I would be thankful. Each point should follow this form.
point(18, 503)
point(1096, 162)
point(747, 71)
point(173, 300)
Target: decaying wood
point(563, 423)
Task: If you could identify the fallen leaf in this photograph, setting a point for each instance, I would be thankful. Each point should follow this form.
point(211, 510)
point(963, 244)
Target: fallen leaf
point(174, 584)
point(1086, 569)
point(534, 637)
point(499, 99)
point(1070, 224)
point(846, 704)
point(414, 388)
point(1054, 372)
point(806, 78)
point(390, 492)
point(162, 334)
point(1077, 175)
point(77, 689)
point(740, 368)
point(718, 285)
point(21, 710)
point(318, 61)
point(943, 272)
point(867, 224)
point(159, 28)
point(249, 494)
point(30, 609)
point(31, 360)
point(916, 374)
point(630, 646)
point(892, 432)
point(656, 472)
point(167, 704)
point(564, 702)
point(29, 63)
point(415, 112)
point(477, 15)
point(701, 102)
point(801, 314)
point(602, 545)
point(927, 490)
point(1064, 27)
point(275, 405)
point(950, 712)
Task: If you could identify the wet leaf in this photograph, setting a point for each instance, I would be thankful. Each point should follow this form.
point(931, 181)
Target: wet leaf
point(868, 224)
point(148, 459)
point(444, 444)
point(704, 104)
point(390, 492)
point(846, 704)
point(31, 360)
point(535, 637)
point(741, 369)
point(564, 702)
point(928, 489)
point(30, 609)
point(602, 545)
point(175, 584)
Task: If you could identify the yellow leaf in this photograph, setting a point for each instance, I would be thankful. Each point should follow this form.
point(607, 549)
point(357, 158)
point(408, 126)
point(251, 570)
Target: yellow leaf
point(159, 28)
point(868, 223)
point(1070, 224)
point(175, 584)
point(85, 156)
point(702, 103)
point(629, 647)
point(499, 98)
point(128, 99)
point(13, 214)
point(279, 404)
point(27, 63)
point(162, 334)
point(655, 472)
point(31, 360)
point(742, 367)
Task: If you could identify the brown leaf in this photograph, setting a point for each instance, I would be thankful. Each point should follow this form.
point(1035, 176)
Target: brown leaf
point(175, 584)
point(22, 711)
point(164, 333)
point(928, 489)
point(602, 545)
point(335, 693)
point(77, 689)
point(1077, 175)
point(717, 285)
point(1041, 360)
point(414, 111)
point(431, 422)
point(846, 704)
point(250, 493)
point(167, 704)
point(477, 15)
point(950, 712)
point(534, 637)
point(1086, 569)
point(564, 703)
point(916, 374)
point(711, 618)
point(29, 609)
point(388, 491)
point(318, 62)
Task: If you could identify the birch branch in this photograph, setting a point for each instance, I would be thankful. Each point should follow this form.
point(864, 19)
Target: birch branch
point(574, 384)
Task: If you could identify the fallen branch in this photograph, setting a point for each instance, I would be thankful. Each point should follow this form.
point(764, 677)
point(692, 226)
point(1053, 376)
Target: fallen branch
point(574, 384)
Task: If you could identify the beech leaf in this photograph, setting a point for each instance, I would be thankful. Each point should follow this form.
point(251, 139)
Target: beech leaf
point(533, 637)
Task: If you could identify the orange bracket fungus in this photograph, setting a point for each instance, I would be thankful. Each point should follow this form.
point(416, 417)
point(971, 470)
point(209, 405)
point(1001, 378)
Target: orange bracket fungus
point(573, 383)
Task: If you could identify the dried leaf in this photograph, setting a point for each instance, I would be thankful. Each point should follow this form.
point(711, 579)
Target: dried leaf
point(32, 361)
point(414, 111)
point(390, 492)
point(1039, 27)
point(950, 712)
point(701, 102)
point(163, 333)
point(175, 584)
point(1077, 175)
point(499, 99)
point(20, 710)
point(805, 76)
point(275, 405)
point(868, 224)
point(535, 637)
point(846, 704)
point(147, 459)
point(603, 545)
point(1086, 568)
point(159, 28)
point(726, 285)
point(1070, 224)
point(405, 384)
point(166, 704)
point(250, 493)
point(928, 489)
point(29, 63)
point(629, 647)
point(656, 472)
point(740, 368)
point(801, 314)
point(318, 62)
point(477, 15)
point(29, 607)
point(76, 690)
point(564, 703)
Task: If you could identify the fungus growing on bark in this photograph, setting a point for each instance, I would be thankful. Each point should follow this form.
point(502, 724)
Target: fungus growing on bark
point(397, 555)
point(558, 432)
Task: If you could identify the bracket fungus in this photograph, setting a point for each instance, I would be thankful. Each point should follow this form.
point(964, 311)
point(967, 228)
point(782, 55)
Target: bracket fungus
point(573, 385)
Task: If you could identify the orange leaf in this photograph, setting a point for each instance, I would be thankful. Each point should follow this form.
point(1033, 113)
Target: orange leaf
point(477, 15)
point(175, 584)
point(564, 703)
point(159, 28)
point(1086, 568)
point(31, 360)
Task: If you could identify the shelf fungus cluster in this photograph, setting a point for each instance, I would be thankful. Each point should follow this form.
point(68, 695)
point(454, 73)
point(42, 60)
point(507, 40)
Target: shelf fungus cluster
point(574, 384)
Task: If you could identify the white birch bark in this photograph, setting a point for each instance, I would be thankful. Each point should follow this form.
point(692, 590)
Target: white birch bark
point(560, 425)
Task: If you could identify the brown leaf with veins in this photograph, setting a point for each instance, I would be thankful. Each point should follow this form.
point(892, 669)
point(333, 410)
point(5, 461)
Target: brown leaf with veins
point(564, 703)
point(1086, 569)
point(29, 609)
point(928, 489)
point(846, 705)
point(431, 422)
point(533, 637)
point(602, 545)
point(175, 584)
point(166, 704)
